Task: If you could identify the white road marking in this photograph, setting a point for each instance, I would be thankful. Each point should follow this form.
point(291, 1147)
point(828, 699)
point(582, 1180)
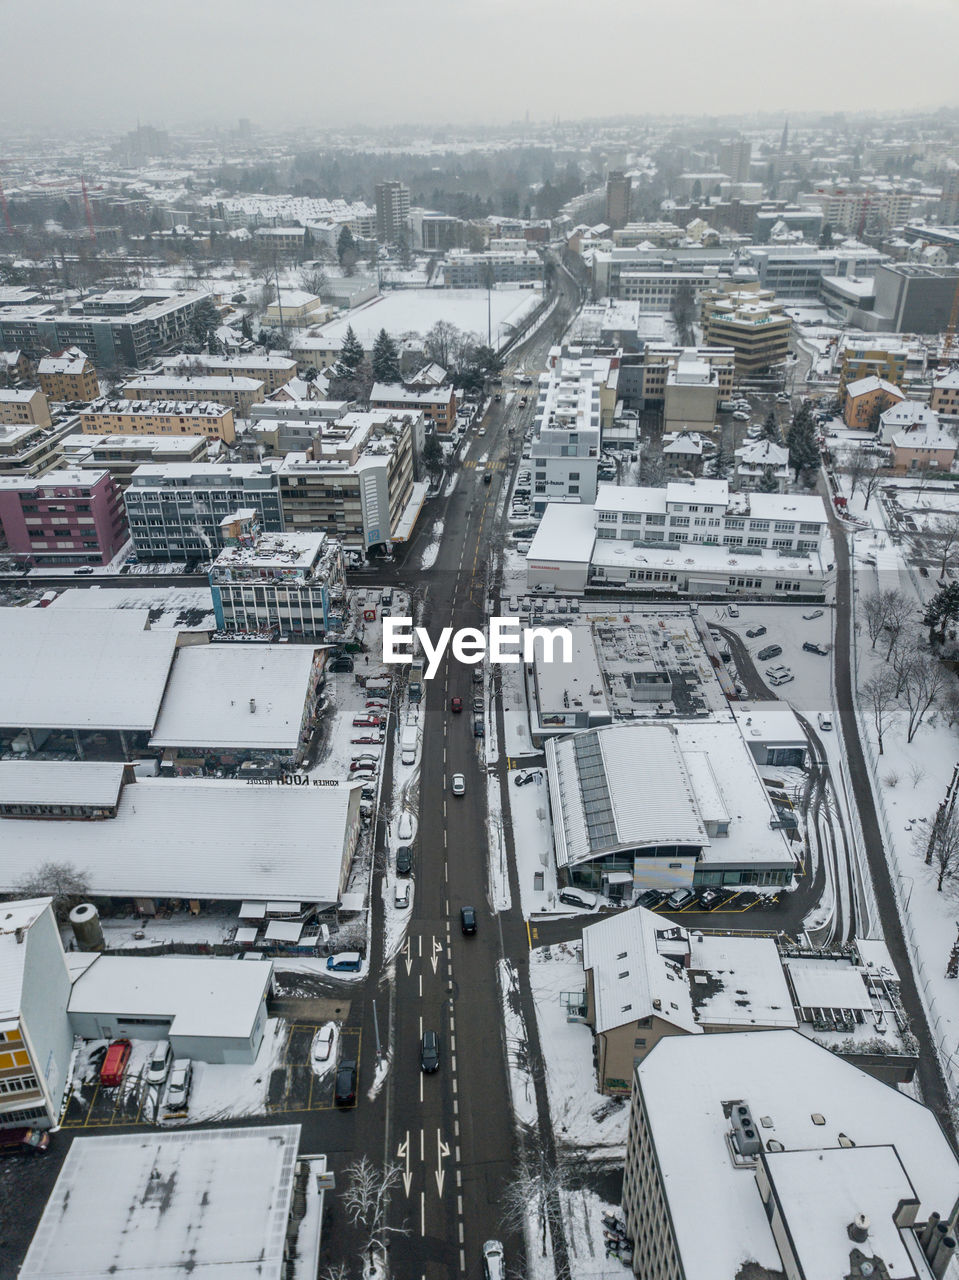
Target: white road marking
point(422, 1213)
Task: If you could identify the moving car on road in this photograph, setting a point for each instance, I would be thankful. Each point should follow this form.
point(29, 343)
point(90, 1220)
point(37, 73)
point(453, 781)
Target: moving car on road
point(430, 1052)
point(824, 720)
point(456, 704)
point(468, 919)
point(459, 784)
point(24, 1142)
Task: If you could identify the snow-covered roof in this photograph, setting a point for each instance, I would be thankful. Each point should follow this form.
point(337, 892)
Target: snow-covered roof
point(196, 838)
point(82, 669)
point(236, 696)
point(15, 917)
point(829, 986)
point(768, 722)
point(44, 782)
point(390, 393)
point(183, 383)
point(632, 979)
point(204, 996)
point(566, 533)
point(737, 983)
point(12, 395)
point(176, 608)
point(151, 1205)
point(862, 386)
point(620, 787)
point(763, 453)
point(73, 360)
point(810, 1097)
point(924, 438)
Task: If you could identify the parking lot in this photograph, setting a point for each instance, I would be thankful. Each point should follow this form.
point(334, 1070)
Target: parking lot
point(294, 1086)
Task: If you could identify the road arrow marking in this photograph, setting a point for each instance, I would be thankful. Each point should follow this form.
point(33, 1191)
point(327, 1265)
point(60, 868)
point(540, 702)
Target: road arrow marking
point(404, 1153)
point(442, 1149)
point(437, 952)
point(408, 956)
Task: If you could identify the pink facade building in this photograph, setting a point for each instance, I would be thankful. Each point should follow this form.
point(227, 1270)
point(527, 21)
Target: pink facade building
point(64, 518)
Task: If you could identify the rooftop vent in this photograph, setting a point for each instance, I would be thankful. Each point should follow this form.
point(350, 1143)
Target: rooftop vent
point(858, 1229)
point(745, 1138)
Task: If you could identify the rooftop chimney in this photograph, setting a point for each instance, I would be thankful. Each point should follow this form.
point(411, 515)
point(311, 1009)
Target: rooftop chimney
point(252, 705)
point(858, 1229)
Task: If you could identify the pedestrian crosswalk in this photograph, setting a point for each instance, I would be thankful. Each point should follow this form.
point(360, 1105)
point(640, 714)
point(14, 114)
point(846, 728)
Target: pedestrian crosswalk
point(499, 464)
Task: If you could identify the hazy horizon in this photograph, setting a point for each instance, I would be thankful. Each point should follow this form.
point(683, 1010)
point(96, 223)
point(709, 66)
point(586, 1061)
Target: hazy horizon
point(107, 64)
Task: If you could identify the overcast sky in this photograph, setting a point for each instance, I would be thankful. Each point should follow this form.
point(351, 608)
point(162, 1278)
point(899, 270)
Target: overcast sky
point(170, 62)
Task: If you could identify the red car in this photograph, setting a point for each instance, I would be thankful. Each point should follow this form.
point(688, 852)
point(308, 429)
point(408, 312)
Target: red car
point(115, 1063)
point(456, 704)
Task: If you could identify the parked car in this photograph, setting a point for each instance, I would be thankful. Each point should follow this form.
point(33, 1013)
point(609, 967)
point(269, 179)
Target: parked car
point(161, 1060)
point(478, 706)
point(755, 632)
point(741, 416)
point(479, 728)
point(344, 1095)
point(709, 898)
point(493, 1264)
point(404, 828)
point(343, 663)
point(824, 720)
point(770, 651)
point(404, 860)
point(783, 679)
point(816, 613)
point(459, 784)
point(115, 1063)
point(181, 1082)
point(430, 1052)
point(733, 610)
point(527, 776)
point(83, 571)
point(572, 897)
point(651, 898)
point(323, 1043)
point(478, 674)
point(468, 919)
point(681, 898)
point(345, 962)
point(24, 1142)
point(401, 895)
point(810, 646)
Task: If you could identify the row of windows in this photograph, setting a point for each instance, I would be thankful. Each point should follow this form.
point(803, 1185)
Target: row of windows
point(19, 1084)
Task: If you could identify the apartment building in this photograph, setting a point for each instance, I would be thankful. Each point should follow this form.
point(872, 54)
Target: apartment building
point(21, 408)
point(692, 396)
point(36, 1041)
point(14, 367)
point(661, 234)
point(436, 232)
point(913, 298)
point(945, 393)
point(866, 400)
point(735, 157)
point(69, 376)
point(273, 371)
point(856, 209)
point(28, 450)
point(750, 321)
point(437, 404)
point(618, 189)
point(237, 393)
point(696, 267)
point(574, 403)
point(175, 509)
point(290, 584)
point(465, 270)
point(121, 455)
point(159, 417)
point(64, 518)
point(807, 1166)
point(125, 327)
point(356, 482)
point(392, 211)
point(648, 378)
point(863, 361)
point(286, 240)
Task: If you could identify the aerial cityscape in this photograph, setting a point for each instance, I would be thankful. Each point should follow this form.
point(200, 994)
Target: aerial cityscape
point(479, 547)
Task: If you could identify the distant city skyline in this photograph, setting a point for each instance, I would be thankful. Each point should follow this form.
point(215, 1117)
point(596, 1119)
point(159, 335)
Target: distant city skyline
point(109, 63)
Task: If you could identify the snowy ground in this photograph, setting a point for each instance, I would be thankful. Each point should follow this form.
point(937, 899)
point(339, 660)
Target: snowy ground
point(224, 1092)
point(520, 1073)
point(533, 842)
point(582, 1117)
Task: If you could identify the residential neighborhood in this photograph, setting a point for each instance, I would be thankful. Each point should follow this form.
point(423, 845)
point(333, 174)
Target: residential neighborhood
point(479, 672)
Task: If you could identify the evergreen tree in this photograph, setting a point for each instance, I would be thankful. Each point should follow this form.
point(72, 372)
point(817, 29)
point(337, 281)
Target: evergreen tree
point(721, 463)
point(942, 609)
point(432, 454)
point(351, 354)
point(246, 328)
point(205, 318)
point(385, 359)
point(825, 237)
point(213, 344)
point(801, 441)
point(767, 482)
point(771, 428)
point(345, 246)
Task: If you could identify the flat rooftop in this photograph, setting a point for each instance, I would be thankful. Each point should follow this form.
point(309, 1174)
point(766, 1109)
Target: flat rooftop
point(236, 696)
point(168, 608)
point(44, 782)
point(196, 838)
point(153, 1205)
point(204, 996)
point(78, 669)
point(566, 534)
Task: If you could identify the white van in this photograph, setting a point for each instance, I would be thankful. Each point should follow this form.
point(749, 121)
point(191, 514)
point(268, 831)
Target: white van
point(408, 744)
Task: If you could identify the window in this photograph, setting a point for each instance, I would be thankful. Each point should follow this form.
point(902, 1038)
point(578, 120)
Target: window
point(640, 1043)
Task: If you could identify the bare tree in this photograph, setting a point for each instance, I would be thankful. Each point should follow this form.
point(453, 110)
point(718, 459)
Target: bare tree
point(366, 1200)
point(942, 538)
point(534, 1192)
point(865, 472)
point(313, 280)
point(60, 881)
point(916, 774)
point(902, 658)
point(923, 684)
point(874, 611)
point(942, 848)
point(879, 698)
point(950, 702)
point(898, 610)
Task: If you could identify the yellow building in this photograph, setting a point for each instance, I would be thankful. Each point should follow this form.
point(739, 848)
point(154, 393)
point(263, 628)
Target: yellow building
point(27, 408)
point(866, 400)
point(158, 417)
point(69, 376)
point(237, 394)
point(865, 362)
point(752, 322)
point(273, 371)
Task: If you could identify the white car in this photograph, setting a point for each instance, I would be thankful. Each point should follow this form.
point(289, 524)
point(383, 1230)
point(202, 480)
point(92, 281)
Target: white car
point(825, 721)
point(323, 1043)
point(780, 669)
point(401, 894)
point(740, 416)
point(181, 1080)
point(732, 610)
point(783, 679)
point(481, 432)
point(459, 784)
point(404, 828)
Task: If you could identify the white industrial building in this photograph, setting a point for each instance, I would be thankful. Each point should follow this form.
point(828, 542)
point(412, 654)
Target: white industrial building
point(762, 1153)
point(690, 538)
point(189, 838)
point(211, 1010)
point(204, 1203)
point(663, 806)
